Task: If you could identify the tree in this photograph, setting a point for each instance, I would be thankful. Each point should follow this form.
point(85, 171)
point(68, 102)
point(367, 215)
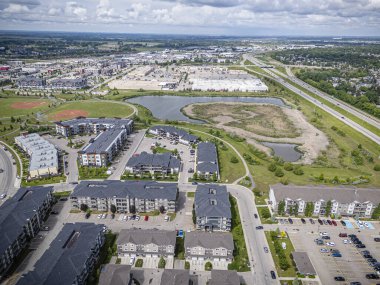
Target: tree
point(272, 167)
point(376, 212)
point(161, 263)
point(265, 213)
point(132, 209)
point(214, 177)
point(162, 209)
point(279, 172)
point(113, 209)
point(281, 208)
point(208, 266)
point(83, 207)
point(195, 176)
point(194, 216)
point(296, 207)
point(234, 159)
point(309, 209)
point(328, 208)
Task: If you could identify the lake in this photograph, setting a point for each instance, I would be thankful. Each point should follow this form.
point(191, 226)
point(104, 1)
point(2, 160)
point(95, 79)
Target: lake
point(286, 151)
point(169, 107)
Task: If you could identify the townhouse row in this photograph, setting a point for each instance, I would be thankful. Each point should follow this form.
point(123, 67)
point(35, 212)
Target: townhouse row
point(339, 201)
point(59, 83)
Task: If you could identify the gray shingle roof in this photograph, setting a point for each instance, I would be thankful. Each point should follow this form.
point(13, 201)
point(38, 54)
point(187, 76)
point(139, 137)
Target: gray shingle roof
point(103, 141)
point(209, 240)
point(116, 123)
point(66, 256)
point(173, 130)
point(122, 189)
point(165, 160)
point(303, 263)
point(175, 277)
point(115, 274)
point(315, 193)
point(206, 152)
point(15, 211)
point(224, 277)
point(212, 200)
point(143, 237)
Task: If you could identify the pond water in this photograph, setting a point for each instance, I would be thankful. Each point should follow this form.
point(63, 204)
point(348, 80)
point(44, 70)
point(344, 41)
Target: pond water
point(169, 107)
point(286, 151)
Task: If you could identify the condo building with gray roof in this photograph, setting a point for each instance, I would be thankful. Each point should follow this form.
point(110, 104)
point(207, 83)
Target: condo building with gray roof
point(207, 160)
point(174, 134)
point(146, 242)
point(110, 140)
point(345, 200)
point(21, 218)
point(127, 196)
point(71, 257)
point(207, 246)
point(212, 208)
point(31, 82)
point(68, 83)
point(162, 164)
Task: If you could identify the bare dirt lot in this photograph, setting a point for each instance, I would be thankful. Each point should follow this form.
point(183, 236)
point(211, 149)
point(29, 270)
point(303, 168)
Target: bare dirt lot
point(27, 105)
point(257, 122)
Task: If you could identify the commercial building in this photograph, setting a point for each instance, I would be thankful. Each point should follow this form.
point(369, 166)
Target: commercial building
point(147, 243)
point(174, 134)
point(111, 137)
point(43, 155)
point(127, 196)
point(68, 83)
point(207, 160)
point(161, 164)
point(344, 201)
point(212, 208)
point(71, 257)
point(31, 82)
point(21, 218)
point(206, 246)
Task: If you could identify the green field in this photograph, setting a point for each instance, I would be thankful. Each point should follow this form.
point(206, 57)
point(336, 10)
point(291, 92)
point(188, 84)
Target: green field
point(92, 109)
point(8, 108)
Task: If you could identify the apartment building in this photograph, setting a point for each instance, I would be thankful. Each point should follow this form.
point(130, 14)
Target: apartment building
point(212, 208)
point(68, 83)
point(206, 246)
point(127, 196)
point(21, 218)
point(207, 160)
point(70, 258)
point(31, 82)
point(84, 126)
point(174, 134)
point(43, 156)
point(345, 201)
point(162, 164)
point(146, 242)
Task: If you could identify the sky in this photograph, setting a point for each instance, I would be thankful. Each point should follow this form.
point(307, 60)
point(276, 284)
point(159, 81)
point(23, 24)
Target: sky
point(204, 17)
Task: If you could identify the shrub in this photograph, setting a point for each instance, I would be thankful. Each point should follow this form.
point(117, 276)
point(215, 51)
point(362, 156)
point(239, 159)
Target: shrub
point(376, 167)
point(272, 167)
point(265, 213)
point(187, 265)
point(234, 159)
point(279, 172)
point(208, 266)
point(288, 166)
point(139, 263)
point(161, 263)
point(298, 171)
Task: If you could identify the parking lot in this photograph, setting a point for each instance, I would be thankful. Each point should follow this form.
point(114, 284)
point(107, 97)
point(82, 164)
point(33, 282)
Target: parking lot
point(351, 265)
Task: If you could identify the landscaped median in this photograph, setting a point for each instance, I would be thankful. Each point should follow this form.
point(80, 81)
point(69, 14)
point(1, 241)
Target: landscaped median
point(282, 255)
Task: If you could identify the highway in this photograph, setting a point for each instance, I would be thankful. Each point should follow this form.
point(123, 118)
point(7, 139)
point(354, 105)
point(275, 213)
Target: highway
point(8, 177)
point(316, 102)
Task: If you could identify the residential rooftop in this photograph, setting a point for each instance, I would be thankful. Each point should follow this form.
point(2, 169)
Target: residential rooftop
point(103, 142)
point(175, 131)
point(212, 200)
point(303, 263)
point(209, 240)
point(146, 236)
point(166, 160)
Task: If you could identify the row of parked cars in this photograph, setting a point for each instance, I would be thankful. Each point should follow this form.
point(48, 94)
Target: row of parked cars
point(312, 221)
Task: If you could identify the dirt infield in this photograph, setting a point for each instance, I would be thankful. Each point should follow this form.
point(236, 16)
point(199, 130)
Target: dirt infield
point(69, 114)
point(27, 105)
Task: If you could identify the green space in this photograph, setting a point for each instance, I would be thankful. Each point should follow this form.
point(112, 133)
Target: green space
point(108, 250)
point(260, 198)
point(282, 257)
point(139, 263)
point(91, 108)
point(88, 173)
point(180, 248)
point(265, 216)
point(44, 181)
point(241, 261)
point(148, 176)
point(190, 194)
point(8, 106)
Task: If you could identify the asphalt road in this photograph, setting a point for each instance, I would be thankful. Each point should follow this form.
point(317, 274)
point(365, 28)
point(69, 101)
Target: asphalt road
point(316, 102)
point(7, 178)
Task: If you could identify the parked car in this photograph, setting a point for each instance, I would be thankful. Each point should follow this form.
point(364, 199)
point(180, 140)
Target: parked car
point(329, 222)
point(367, 256)
point(336, 255)
point(377, 239)
point(2, 196)
point(330, 243)
point(266, 249)
point(326, 237)
point(132, 260)
point(167, 218)
point(324, 250)
point(63, 199)
point(355, 283)
point(272, 274)
point(290, 221)
point(303, 221)
point(372, 276)
point(45, 228)
point(339, 278)
point(311, 221)
point(54, 213)
point(343, 223)
point(334, 223)
point(323, 234)
point(88, 214)
point(146, 218)
point(256, 216)
point(259, 227)
point(360, 245)
point(343, 235)
point(320, 222)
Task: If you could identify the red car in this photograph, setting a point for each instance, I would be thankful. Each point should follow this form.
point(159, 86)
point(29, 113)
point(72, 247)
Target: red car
point(334, 223)
point(146, 218)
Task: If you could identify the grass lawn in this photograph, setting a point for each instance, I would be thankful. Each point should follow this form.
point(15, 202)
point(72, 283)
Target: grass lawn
point(90, 109)
point(190, 194)
point(12, 106)
point(61, 194)
point(44, 181)
point(260, 199)
point(180, 248)
point(291, 271)
point(241, 261)
point(260, 211)
point(87, 173)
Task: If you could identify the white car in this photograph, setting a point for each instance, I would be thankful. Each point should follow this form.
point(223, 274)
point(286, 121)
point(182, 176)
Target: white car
point(330, 243)
point(324, 250)
point(323, 234)
point(346, 241)
point(99, 216)
point(167, 218)
point(2, 196)
point(137, 218)
point(124, 218)
point(131, 261)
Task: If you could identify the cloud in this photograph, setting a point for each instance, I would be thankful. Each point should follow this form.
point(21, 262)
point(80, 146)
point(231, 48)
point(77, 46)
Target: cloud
point(16, 8)
point(75, 9)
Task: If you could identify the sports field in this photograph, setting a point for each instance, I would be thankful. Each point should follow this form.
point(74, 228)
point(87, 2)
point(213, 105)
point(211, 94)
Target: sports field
point(22, 106)
point(89, 109)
